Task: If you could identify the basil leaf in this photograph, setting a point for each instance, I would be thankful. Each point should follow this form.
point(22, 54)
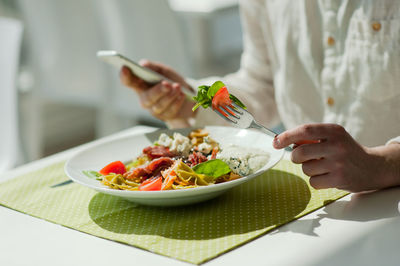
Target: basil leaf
point(205, 103)
point(202, 93)
point(204, 87)
point(214, 168)
point(202, 98)
point(237, 101)
point(214, 88)
point(93, 174)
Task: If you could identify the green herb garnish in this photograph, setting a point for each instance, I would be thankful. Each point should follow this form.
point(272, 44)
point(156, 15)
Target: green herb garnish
point(202, 98)
point(214, 168)
point(237, 101)
point(206, 93)
point(214, 88)
point(93, 174)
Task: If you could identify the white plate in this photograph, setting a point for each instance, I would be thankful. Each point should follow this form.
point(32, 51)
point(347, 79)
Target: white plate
point(127, 148)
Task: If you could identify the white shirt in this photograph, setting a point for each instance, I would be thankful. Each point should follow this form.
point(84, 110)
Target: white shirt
point(320, 61)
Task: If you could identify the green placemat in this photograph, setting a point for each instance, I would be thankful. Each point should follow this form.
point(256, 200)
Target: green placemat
point(194, 233)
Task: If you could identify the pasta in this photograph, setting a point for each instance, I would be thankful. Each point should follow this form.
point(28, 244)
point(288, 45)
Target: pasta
point(173, 162)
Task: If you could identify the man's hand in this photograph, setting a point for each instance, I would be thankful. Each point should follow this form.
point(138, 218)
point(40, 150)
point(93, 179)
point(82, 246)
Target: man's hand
point(337, 160)
point(164, 100)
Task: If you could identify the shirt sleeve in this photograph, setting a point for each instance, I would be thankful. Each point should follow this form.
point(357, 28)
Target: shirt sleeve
point(253, 82)
point(394, 140)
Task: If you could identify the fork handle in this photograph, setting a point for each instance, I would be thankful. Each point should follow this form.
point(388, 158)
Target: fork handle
point(265, 130)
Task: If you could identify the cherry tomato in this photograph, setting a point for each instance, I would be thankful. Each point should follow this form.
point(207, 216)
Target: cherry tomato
point(221, 98)
point(151, 184)
point(116, 167)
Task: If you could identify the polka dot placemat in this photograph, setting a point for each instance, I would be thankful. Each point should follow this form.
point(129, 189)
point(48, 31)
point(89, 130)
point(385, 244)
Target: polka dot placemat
point(194, 233)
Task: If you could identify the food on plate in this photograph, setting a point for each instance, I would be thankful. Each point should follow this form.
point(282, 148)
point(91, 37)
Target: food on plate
point(216, 96)
point(243, 161)
point(179, 162)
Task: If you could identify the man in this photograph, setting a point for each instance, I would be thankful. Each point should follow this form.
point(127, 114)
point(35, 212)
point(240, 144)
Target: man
point(329, 70)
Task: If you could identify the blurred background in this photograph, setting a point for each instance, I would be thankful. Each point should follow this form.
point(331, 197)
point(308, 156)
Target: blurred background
point(55, 93)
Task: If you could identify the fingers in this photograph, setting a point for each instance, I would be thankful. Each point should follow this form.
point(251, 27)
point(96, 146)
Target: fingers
point(164, 104)
point(316, 167)
point(166, 71)
point(132, 81)
point(171, 111)
point(176, 107)
point(158, 98)
point(150, 96)
point(326, 173)
point(315, 132)
point(164, 100)
point(336, 160)
point(322, 181)
point(307, 152)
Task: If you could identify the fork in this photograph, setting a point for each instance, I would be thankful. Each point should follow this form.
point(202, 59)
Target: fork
point(241, 118)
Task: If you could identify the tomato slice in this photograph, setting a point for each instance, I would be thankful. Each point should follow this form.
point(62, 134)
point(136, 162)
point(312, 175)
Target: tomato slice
point(151, 184)
point(116, 167)
point(221, 98)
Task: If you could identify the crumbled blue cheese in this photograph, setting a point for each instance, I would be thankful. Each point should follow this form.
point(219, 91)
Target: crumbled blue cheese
point(243, 161)
point(178, 143)
point(164, 140)
point(204, 148)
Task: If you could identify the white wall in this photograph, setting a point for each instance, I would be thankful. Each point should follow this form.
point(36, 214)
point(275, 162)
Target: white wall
point(65, 99)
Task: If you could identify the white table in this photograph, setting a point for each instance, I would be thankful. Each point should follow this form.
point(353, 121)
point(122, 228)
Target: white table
point(356, 230)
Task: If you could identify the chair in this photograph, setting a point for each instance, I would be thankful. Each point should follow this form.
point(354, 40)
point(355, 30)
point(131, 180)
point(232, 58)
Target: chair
point(64, 36)
point(10, 40)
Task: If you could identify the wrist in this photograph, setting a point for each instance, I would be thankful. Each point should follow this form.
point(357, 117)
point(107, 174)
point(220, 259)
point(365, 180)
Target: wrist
point(181, 122)
point(185, 117)
point(177, 123)
point(388, 163)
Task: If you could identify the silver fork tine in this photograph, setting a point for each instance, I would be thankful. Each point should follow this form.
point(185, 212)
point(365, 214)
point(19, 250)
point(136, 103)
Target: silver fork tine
point(232, 111)
point(235, 108)
point(238, 108)
point(227, 118)
point(242, 118)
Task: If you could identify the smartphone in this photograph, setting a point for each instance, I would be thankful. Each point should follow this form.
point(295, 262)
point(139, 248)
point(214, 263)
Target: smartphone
point(144, 73)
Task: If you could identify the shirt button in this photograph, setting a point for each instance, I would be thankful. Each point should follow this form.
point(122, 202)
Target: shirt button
point(330, 41)
point(376, 26)
point(330, 101)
